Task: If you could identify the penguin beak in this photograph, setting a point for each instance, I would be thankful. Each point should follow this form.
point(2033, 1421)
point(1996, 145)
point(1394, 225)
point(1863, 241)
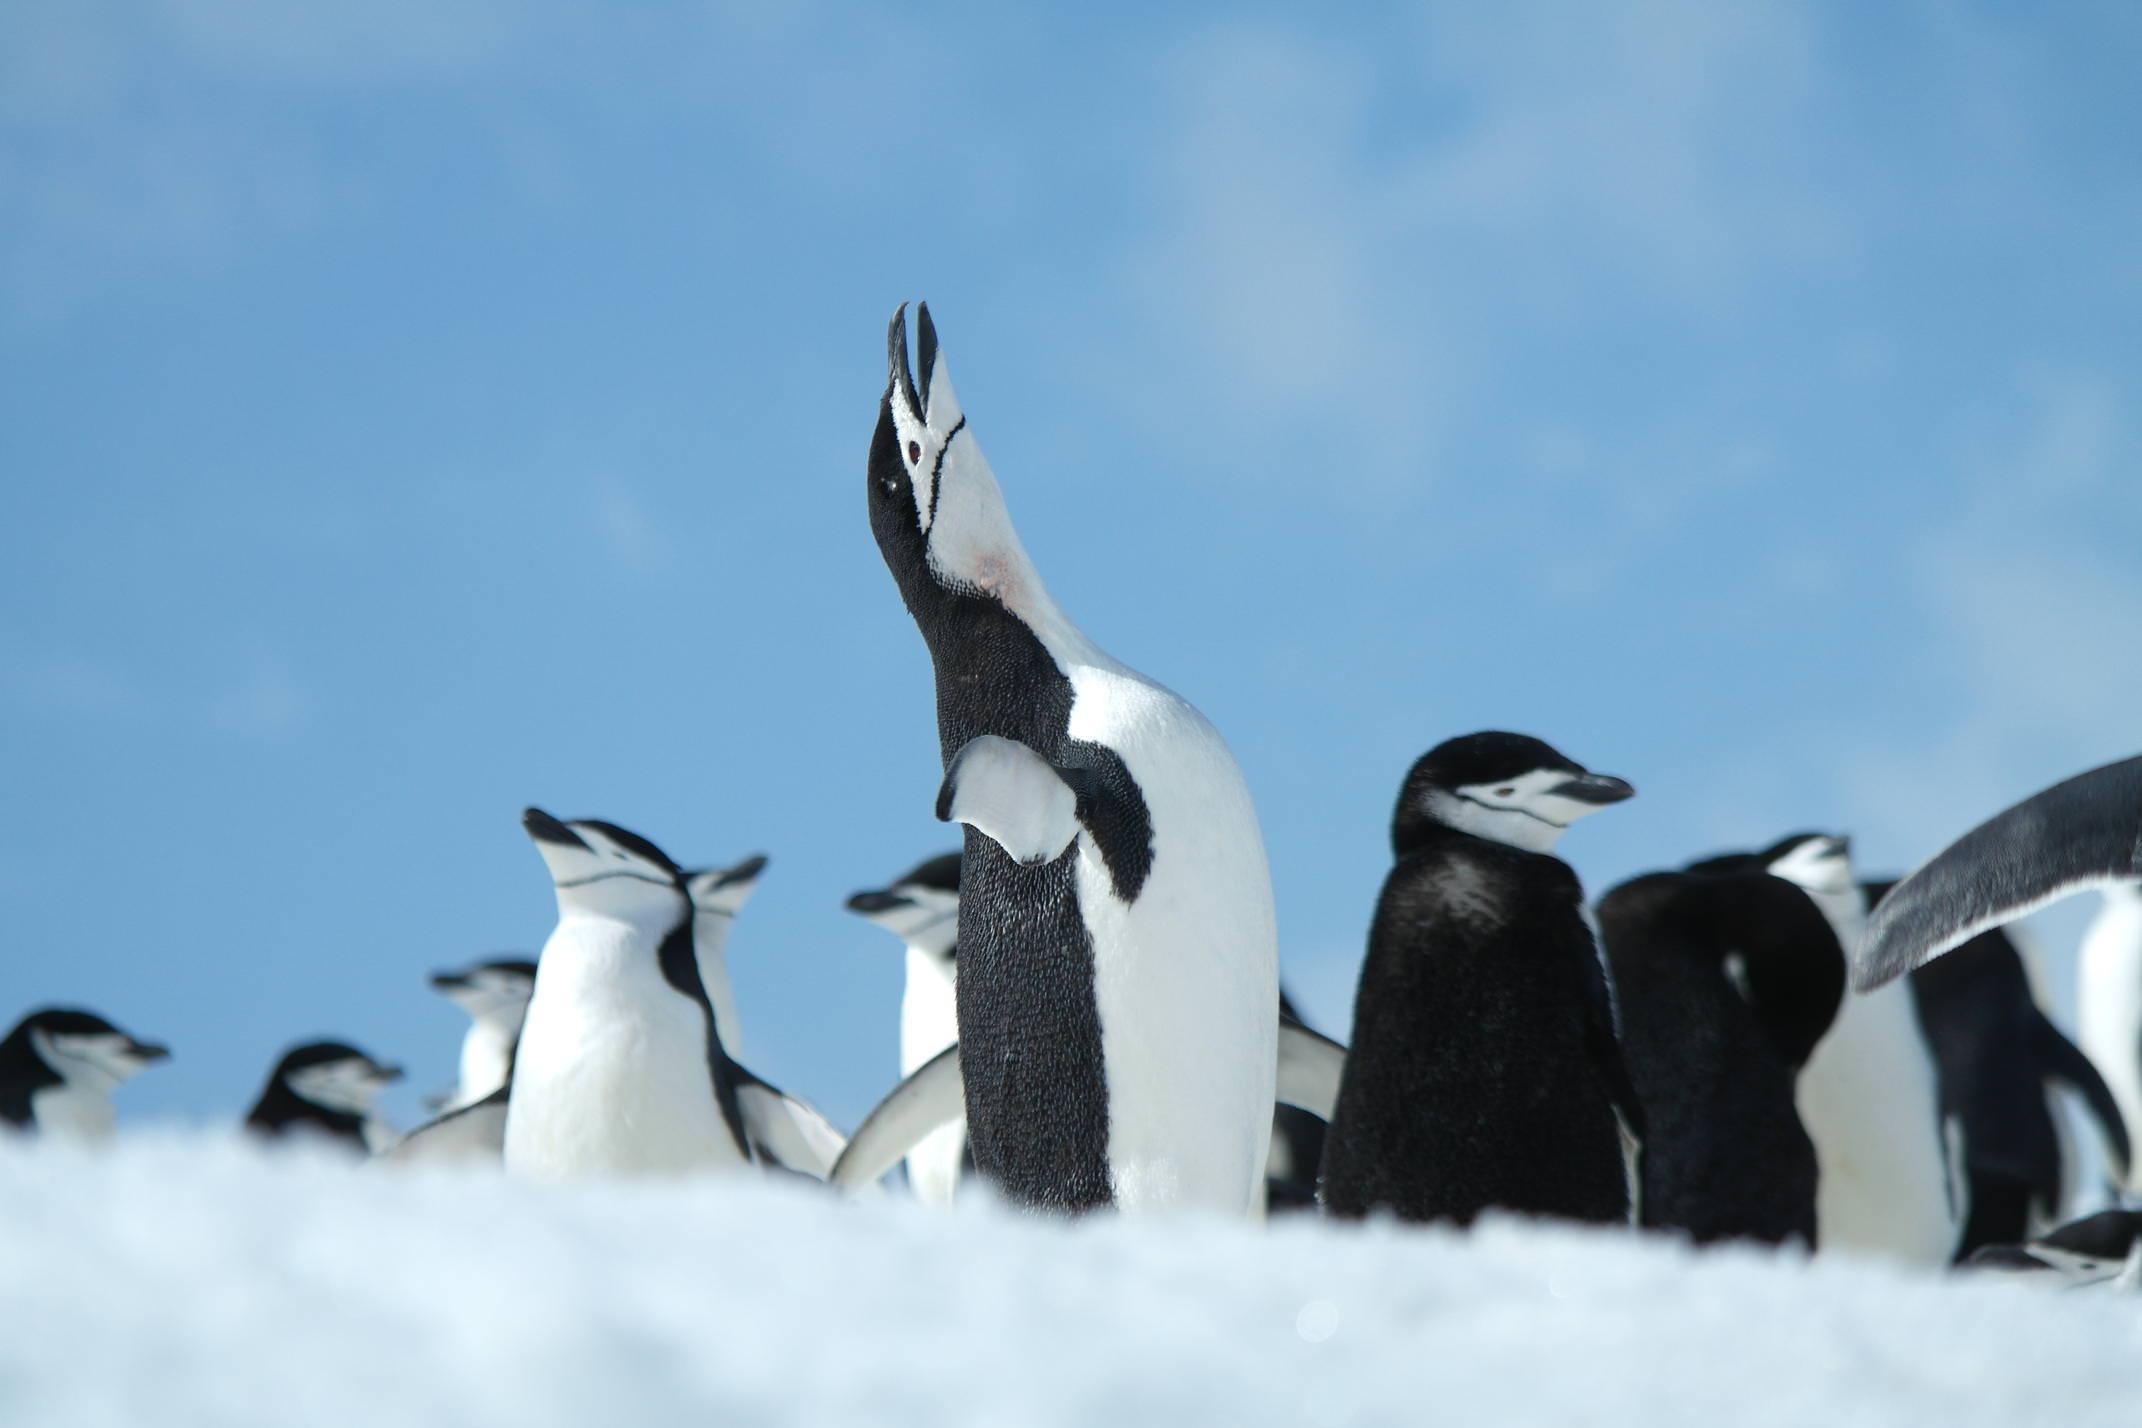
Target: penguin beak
point(1596, 789)
point(745, 872)
point(449, 981)
point(147, 1051)
point(878, 900)
point(902, 378)
point(386, 1075)
point(546, 829)
point(1839, 845)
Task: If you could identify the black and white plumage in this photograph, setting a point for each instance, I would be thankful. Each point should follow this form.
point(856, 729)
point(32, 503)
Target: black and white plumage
point(326, 1091)
point(1296, 1157)
point(495, 995)
point(2100, 1249)
point(1999, 1057)
point(1484, 1071)
point(718, 895)
point(58, 1069)
point(621, 1070)
point(1116, 988)
point(2108, 1006)
point(921, 908)
point(2081, 833)
point(1726, 980)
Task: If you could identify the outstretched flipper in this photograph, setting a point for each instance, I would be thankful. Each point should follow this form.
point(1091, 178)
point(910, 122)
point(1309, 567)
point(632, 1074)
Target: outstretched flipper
point(2082, 833)
point(934, 1095)
point(473, 1135)
point(1010, 794)
point(787, 1132)
point(2064, 1061)
point(1310, 1067)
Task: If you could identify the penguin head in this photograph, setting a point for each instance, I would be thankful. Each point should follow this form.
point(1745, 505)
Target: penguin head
point(1507, 788)
point(722, 892)
point(602, 870)
point(496, 989)
point(83, 1049)
point(335, 1075)
point(921, 908)
point(1819, 862)
point(935, 506)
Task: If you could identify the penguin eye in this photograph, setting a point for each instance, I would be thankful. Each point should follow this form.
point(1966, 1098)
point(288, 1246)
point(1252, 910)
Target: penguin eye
point(914, 452)
point(1506, 790)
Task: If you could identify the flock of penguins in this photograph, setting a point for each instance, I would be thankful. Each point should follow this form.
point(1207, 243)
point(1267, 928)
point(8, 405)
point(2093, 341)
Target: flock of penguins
point(1731, 1050)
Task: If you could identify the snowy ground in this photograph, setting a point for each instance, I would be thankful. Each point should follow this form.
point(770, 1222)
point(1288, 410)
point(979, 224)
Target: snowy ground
point(190, 1280)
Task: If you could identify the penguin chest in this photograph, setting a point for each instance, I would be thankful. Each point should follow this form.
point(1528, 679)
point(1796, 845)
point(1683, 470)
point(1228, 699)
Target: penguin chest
point(486, 1056)
point(613, 1078)
point(1185, 976)
point(68, 1112)
point(929, 1024)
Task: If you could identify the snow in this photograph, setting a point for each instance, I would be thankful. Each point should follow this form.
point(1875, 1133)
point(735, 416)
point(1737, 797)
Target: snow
point(186, 1278)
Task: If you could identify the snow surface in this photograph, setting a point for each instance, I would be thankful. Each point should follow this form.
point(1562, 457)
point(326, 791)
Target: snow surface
point(190, 1279)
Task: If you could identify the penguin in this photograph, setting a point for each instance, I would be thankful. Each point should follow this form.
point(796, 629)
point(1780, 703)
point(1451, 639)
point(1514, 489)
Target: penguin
point(718, 895)
point(2083, 832)
point(1869, 1094)
point(921, 908)
point(58, 1069)
point(621, 1069)
point(326, 1090)
point(1297, 1151)
point(1118, 956)
point(2104, 1248)
point(2108, 1007)
point(495, 996)
point(1998, 1060)
point(1725, 979)
point(1485, 1071)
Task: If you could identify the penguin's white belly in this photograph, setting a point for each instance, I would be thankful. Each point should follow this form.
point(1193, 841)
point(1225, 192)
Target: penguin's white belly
point(710, 940)
point(72, 1113)
point(1186, 978)
point(612, 1077)
point(1869, 1100)
point(929, 1022)
point(2108, 1012)
point(486, 1055)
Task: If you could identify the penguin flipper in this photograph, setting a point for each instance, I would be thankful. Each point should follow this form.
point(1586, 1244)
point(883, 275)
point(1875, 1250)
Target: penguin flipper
point(1011, 795)
point(790, 1133)
point(2081, 833)
point(474, 1133)
point(934, 1095)
point(1310, 1068)
point(2065, 1062)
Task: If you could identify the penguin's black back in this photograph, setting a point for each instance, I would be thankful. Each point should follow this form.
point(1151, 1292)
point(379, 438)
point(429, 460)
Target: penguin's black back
point(1726, 1156)
point(1474, 1080)
point(23, 1073)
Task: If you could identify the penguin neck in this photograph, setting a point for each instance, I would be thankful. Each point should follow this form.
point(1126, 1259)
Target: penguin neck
point(928, 1019)
point(1845, 909)
point(75, 1072)
point(1418, 832)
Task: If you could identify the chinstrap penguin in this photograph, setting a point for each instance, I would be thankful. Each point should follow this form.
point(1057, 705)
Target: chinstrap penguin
point(1725, 978)
point(1485, 1072)
point(921, 908)
point(1999, 1059)
point(1118, 964)
point(1869, 1095)
point(327, 1091)
point(621, 1070)
point(495, 996)
point(58, 1069)
point(718, 895)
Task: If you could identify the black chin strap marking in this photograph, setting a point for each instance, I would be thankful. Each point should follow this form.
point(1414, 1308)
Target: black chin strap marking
point(937, 468)
point(607, 877)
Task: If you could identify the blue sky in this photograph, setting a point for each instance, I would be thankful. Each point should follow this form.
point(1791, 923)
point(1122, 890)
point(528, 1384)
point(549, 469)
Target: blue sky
point(411, 412)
